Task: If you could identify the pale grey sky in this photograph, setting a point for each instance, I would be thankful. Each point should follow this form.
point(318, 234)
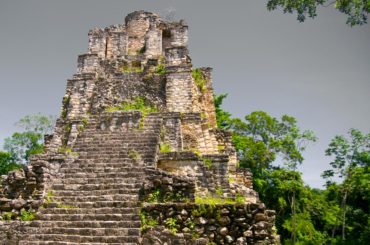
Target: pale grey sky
point(318, 71)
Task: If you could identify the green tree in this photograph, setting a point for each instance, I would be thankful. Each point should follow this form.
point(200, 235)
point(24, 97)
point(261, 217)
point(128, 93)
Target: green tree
point(300, 210)
point(350, 164)
point(259, 140)
point(357, 10)
point(37, 123)
point(23, 144)
point(7, 163)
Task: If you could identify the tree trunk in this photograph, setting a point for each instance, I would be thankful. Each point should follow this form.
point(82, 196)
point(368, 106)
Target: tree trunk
point(344, 204)
point(294, 233)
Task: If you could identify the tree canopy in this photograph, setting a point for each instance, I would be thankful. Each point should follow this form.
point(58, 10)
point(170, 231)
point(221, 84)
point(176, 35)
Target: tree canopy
point(30, 140)
point(356, 10)
point(338, 214)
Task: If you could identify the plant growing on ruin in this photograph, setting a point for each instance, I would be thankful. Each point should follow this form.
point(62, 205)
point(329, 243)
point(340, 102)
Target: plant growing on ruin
point(239, 198)
point(138, 104)
point(141, 50)
point(199, 79)
point(147, 221)
point(134, 155)
point(154, 196)
point(219, 191)
point(211, 200)
point(171, 224)
point(7, 215)
point(207, 162)
point(164, 148)
point(27, 215)
point(65, 104)
point(160, 69)
point(84, 122)
point(135, 67)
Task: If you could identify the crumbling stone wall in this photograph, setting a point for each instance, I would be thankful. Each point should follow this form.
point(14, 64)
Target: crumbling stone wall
point(209, 224)
point(25, 188)
point(168, 187)
point(209, 173)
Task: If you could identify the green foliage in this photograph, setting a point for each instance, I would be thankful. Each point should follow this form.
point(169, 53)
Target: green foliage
point(157, 195)
point(351, 164)
point(142, 50)
point(356, 10)
point(138, 104)
point(211, 200)
point(37, 123)
point(199, 79)
point(260, 139)
point(7, 215)
point(7, 163)
point(171, 224)
point(223, 118)
point(22, 145)
point(207, 162)
point(147, 221)
point(219, 191)
point(160, 69)
point(337, 215)
point(239, 198)
point(65, 103)
point(49, 197)
point(27, 215)
point(165, 148)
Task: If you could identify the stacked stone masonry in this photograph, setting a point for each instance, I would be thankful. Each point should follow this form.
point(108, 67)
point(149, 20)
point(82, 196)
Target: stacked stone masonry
point(135, 150)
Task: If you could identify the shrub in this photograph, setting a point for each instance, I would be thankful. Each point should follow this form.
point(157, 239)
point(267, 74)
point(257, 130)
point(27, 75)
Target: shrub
point(138, 104)
point(147, 221)
point(160, 69)
point(164, 148)
point(7, 215)
point(27, 215)
point(171, 224)
point(199, 79)
point(208, 163)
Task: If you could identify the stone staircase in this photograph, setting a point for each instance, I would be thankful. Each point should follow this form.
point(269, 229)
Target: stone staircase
point(96, 202)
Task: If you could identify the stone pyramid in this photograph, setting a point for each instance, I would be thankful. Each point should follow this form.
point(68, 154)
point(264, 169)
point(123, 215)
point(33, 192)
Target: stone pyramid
point(136, 156)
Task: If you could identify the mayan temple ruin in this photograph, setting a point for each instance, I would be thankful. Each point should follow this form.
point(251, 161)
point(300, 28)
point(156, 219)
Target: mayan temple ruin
point(136, 156)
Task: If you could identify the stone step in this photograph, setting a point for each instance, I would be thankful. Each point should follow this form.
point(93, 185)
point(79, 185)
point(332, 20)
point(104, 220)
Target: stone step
point(123, 184)
point(70, 243)
point(100, 138)
point(106, 163)
point(66, 193)
point(101, 170)
point(98, 180)
point(86, 224)
point(88, 217)
point(103, 232)
point(108, 158)
point(85, 239)
point(100, 204)
point(120, 197)
point(90, 210)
